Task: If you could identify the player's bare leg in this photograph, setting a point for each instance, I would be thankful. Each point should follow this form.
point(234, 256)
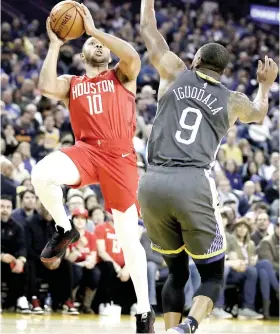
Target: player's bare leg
point(47, 177)
point(126, 226)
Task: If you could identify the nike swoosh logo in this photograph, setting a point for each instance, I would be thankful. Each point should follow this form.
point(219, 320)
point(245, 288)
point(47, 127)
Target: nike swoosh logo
point(125, 155)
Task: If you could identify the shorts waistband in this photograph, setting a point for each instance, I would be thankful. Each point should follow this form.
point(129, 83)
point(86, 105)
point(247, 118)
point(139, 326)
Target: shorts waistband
point(110, 142)
point(173, 168)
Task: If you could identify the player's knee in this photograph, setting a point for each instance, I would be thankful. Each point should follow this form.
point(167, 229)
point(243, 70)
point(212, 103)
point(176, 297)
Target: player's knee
point(41, 174)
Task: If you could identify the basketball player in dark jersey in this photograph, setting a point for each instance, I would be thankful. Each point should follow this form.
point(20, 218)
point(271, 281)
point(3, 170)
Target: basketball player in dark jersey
point(177, 195)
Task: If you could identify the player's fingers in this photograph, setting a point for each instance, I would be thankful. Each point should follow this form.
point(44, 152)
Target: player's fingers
point(266, 63)
point(82, 8)
point(260, 65)
point(48, 23)
point(85, 9)
point(79, 9)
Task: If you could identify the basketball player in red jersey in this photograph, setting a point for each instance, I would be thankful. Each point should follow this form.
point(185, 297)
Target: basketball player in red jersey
point(102, 111)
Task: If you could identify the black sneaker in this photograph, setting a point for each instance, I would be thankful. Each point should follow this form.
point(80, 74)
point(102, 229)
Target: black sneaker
point(58, 244)
point(145, 322)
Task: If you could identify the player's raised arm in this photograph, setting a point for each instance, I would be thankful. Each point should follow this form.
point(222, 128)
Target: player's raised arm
point(130, 62)
point(240, 107)
point(51, 86)
point(166, 62)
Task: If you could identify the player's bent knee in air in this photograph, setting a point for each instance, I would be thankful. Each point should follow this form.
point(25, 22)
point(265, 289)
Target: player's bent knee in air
point(56, 168)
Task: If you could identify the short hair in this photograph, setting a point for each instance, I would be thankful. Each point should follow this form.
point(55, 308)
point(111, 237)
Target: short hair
point(7, 198)
point(259, 206)
point(21, 195)
point(214, 56)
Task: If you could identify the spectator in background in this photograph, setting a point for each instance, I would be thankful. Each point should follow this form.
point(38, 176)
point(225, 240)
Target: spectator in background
point(272, 190)
point(232, 173)
point(97, 215)
point(51, 132)
point(240, 247)
point(248, 198)
point(24, 128)
point(57, 274)
point(250, 170)
point(12, 109)
point(27, 209)
point(225, 192)
point(83, 255)
point(91, 201)
point(262, 224)
point(245, 149)
point(24, 149)
point(157, 269)
point(8, 186)
point(20, 173)
point(232, 151)
point(13, 258)
point(112, 265)
point(75, 201)
point(10, 139)
point(269, 249)
point(259, 159)
point(274, 165)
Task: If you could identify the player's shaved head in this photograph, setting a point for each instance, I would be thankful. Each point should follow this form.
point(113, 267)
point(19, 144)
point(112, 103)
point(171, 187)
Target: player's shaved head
point(211, 56)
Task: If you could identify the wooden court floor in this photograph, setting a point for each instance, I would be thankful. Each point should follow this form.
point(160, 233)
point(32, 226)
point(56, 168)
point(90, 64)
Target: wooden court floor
point(66, 324)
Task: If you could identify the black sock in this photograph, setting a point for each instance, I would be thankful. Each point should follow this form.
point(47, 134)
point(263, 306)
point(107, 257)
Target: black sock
point(193, 324)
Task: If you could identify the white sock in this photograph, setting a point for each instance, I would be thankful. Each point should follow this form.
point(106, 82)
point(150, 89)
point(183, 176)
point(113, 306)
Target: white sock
point(47, 177)
point(126, 226)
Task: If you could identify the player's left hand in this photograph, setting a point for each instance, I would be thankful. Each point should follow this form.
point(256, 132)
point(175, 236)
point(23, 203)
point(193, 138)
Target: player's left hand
point(88, 20)
point(267, 72)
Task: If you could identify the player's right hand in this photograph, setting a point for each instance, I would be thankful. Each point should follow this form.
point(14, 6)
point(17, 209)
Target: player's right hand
point(267, 72)
point(52, 36)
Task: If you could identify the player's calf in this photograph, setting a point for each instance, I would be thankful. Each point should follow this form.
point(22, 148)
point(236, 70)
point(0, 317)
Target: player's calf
point(205, 297)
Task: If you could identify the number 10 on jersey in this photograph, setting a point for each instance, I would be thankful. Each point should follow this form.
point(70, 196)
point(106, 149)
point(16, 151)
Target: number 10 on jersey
point(95, 104)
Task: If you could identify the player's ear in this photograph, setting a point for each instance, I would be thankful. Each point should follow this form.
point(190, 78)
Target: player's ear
point(82, 56)
point(110, 59)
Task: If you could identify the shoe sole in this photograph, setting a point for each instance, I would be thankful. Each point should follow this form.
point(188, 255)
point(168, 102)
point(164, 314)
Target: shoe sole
point(55, 258)
point(243, 317)
point(38, 312)
point(24, 312)
point(171, 330)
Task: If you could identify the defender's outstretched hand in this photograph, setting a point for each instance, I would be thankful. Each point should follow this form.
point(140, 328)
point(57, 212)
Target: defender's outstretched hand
point(88, 20)
point(267, 72)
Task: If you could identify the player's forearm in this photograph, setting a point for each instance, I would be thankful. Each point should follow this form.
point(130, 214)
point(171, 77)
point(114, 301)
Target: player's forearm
point(119, 47)
point(260, 102)
point(48, 74)
point(154, 41)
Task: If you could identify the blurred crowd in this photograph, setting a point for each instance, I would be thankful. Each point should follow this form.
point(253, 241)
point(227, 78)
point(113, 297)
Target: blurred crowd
point(93, 271)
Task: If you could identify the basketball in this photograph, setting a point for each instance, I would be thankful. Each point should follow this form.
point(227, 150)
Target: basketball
point(66, 21)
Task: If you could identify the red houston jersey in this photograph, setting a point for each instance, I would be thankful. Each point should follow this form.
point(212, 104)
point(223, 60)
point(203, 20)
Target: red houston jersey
point(101, 108)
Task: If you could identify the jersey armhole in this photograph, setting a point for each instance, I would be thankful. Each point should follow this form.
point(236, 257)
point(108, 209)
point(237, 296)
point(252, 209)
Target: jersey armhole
point(114, 70)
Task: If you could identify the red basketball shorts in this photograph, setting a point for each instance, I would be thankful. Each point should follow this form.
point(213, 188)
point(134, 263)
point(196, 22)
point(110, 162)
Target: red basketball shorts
point(112, 163)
